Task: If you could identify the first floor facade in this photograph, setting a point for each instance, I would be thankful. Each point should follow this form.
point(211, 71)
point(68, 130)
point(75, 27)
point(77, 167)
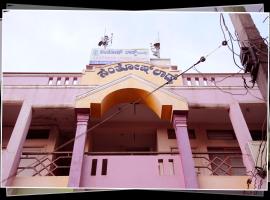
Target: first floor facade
point(185, 137)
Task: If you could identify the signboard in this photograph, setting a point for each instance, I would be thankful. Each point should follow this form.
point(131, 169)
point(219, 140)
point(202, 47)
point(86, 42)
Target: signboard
point(133, 67)
point(110, 56)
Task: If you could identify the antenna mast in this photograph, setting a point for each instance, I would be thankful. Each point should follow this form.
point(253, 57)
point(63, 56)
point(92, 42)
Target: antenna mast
point(105, 40)
point(156, 48)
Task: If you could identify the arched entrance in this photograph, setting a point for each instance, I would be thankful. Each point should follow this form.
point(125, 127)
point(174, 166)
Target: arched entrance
point(130, 89)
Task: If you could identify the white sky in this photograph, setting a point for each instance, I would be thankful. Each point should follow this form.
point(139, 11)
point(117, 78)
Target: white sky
point(61, 40)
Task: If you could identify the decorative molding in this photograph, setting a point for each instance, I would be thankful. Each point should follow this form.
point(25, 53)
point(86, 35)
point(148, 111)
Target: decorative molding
point(129, 76)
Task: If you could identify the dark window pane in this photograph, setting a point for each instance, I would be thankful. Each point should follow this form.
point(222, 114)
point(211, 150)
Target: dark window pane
point(171, 134)
point(221, 135)
point(258, 135)
point(94, 167)
point(191, 134)
point(104, 166)
point(38, 134)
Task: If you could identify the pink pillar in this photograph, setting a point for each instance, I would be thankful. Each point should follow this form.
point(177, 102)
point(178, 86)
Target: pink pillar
point(11, 157)
point(78, 150)
point(242, 133)
point(181, 131)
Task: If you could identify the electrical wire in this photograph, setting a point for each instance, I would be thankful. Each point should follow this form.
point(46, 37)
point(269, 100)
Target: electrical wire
point(252, 44)
point(265, 18)
point(120, 109)
point(262, 138)
point(230, 38)
point(231, 75)
point(233, 52)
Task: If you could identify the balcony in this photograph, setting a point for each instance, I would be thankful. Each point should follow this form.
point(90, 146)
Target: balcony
point(158, 170)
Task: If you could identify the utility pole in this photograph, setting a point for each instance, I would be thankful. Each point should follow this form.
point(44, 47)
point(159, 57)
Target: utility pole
point(249, 36)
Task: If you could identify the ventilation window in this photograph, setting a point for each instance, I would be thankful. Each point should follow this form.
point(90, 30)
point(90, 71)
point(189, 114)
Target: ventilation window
point(160, 167)
point(75, 81)
point(174, 149)
point(188, 81)
point(38, 134)
point(104, 166)
point(171, 167)
point(205, 81)
point(213, 81)
point(58, 82)
point(94, 167)
point(66, 81)
point(191, 134)
point(50, 81)
point(220, 135)
point(171, 134)
point(197, 81)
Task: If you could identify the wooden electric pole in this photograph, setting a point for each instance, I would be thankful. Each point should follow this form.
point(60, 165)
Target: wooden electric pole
point(249, 36)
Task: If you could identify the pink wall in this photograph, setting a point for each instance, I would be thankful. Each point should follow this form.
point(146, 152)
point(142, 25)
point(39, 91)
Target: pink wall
point(34, 88)
point(37, 78)
point(235, 80)
point(44, 96)
point(65, 95)
point(133, 172)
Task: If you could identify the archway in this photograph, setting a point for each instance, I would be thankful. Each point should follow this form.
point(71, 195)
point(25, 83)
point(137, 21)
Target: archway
point(129, 90)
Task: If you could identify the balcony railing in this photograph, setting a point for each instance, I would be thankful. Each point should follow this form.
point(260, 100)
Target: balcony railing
point(43, 163)
point(206, 163)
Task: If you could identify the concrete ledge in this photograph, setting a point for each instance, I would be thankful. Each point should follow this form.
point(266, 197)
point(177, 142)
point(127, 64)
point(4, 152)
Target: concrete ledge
point(223, 182)
point(40, 181)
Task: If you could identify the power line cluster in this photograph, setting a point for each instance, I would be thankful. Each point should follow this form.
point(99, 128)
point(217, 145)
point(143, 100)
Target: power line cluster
point(257, 171)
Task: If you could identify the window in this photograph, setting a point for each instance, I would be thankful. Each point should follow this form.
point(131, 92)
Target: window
point(226, 161)
point(257, 135)
point(191, 134)
point(58, 82)
point(75, 81)
point(205, 81)
point(67, 81)
point(94, 167)
point(171, 167)
point(38, 134)
point(160, 167)
point(50, 81)
point(197, 81)
point(104, 166)
point(221, 135)
point(188, 81)
point(171, 134)
point(213, 81)
point(174, 149)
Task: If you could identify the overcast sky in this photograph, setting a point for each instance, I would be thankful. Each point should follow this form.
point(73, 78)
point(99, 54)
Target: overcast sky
point(61, 41)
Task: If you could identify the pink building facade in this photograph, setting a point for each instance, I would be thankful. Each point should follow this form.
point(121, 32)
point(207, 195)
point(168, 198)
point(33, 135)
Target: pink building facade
point(88, 130)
